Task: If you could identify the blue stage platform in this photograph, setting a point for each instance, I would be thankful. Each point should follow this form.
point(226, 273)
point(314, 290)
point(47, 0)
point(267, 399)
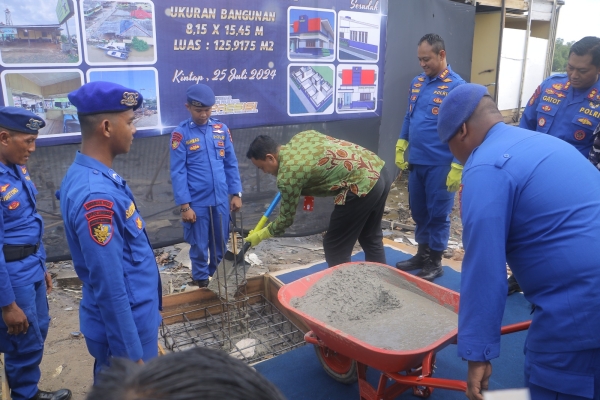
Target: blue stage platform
point(300, 376)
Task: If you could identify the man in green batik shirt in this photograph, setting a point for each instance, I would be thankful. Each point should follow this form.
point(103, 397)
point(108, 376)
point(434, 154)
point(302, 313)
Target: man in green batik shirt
point(313, 164)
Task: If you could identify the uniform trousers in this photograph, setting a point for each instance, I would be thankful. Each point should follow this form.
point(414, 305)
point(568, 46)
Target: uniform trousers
point(358, 219)
point(207, 236)
point(102, 354)
point(23, 352)
point(563, 376)
point(430, 204)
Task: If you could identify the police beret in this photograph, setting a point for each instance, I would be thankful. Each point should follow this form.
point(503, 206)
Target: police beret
point(457, 108)
point(200, 95)
point(20, 120)
point(104, 97)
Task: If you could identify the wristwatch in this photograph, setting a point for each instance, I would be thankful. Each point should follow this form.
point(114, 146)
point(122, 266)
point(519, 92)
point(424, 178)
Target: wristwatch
point(238, 194)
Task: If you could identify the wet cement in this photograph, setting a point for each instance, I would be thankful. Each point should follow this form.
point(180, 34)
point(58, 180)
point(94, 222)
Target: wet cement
point(377, 306)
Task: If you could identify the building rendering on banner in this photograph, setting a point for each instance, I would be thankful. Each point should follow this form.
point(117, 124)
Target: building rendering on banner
point(358, 39)
point(313, 87)
point(358, 90)
point(311, 37)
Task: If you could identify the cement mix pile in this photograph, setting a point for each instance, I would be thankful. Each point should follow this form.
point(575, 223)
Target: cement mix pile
point(377, 306)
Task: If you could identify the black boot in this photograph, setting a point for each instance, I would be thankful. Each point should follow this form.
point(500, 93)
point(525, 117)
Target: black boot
point(61, 394)
point(513, 285)
point(433, 269)
point(418, 261)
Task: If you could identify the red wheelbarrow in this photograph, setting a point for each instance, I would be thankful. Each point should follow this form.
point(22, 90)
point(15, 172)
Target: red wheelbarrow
point(345, 358)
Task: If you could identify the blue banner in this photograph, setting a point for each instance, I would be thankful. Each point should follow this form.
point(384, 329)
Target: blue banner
point(272, 62)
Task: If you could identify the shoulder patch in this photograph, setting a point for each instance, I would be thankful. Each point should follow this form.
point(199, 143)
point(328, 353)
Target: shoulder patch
point(139, 223)
point(24, 170)
point(98, 203)
point(229, 133)
point(176, 138)
point(100, 226)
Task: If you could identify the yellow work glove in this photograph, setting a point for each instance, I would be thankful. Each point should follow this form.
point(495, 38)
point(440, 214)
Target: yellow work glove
point(256, 237)
point(454, 177)
point(401, 146)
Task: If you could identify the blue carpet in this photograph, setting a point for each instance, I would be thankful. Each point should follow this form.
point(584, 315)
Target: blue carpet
point(299, 374)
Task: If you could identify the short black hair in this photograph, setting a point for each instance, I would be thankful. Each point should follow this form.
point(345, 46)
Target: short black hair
point(261, 146)
point(588, 45)
point(435, 41)
point(89, 122)
point(199, 373)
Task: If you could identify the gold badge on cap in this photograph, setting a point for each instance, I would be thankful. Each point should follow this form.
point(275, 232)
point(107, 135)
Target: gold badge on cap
point(130, 99)
point(34, 124)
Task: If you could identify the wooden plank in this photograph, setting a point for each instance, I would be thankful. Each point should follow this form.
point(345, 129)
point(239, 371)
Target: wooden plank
point(514, 4)
point(203, 301)
point(5, 388)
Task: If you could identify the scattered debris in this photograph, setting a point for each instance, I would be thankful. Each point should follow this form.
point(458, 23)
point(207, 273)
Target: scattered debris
point(398, 240)
point(76, 334)
point(57, 371)
point(245, 348)
point(69, 309)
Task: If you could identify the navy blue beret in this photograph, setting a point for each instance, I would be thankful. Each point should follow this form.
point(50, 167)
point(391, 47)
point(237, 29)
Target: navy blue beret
point(20, 120)
point(104, 97)
point(457, 108)
point(200, 95)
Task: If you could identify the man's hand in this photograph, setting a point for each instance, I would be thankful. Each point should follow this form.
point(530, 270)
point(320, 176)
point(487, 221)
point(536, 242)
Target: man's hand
point(401, 146)
point(15, 319)
point(478, 379)
point(140, 362)
point(235, 204)
point(48, 280)
point(454, 177)
point(188, 215)
point(256, 237)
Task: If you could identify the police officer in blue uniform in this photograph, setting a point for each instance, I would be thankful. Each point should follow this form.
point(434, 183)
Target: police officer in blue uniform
point(512, 212)
point(434, 175)
point(119, 313)
point(567, 106)
point(204, 170)
point(24, 281)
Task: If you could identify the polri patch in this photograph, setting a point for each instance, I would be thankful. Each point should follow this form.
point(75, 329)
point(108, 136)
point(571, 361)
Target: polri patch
point(176, 138)
point(579, 134)
point(100, 226)
point(542, 121)
point(546, 108)
point(194, 147)
point(98, 203)
point(585, 121)
point(435, 110)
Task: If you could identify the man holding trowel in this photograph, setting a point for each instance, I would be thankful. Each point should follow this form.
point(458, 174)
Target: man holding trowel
point(313, 164)
point(204, 170)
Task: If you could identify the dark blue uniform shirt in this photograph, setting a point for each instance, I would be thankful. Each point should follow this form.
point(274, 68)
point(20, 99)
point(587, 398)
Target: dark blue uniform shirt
point(20, 224)
point(420, 122)
point(112, 256)
point(204, 169)
point(521, 205)
point(566, 113)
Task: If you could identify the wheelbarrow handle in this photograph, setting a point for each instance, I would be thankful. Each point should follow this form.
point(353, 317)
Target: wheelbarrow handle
point(518, 327)
point(311, 338)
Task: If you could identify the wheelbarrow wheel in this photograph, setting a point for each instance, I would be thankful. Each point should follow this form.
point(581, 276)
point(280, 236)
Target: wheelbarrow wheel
point(337, 366)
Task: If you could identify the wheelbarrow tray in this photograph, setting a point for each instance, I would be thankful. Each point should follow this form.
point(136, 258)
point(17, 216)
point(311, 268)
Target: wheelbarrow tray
point(362, 352)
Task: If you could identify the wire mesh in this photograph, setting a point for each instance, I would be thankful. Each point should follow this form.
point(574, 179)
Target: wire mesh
point(251, 329)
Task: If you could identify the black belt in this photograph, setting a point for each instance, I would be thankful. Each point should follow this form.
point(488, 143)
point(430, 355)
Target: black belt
point(16, 252)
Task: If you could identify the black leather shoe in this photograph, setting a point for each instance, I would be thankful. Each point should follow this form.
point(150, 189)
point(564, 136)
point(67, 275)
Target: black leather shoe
point(60, 394)
point(433, 269)
point(513, 285)
point(418, 261)
point(202, 283)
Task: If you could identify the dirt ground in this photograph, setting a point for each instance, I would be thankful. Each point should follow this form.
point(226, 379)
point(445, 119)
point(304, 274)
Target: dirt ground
point(35, 52)
point(66, 362)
